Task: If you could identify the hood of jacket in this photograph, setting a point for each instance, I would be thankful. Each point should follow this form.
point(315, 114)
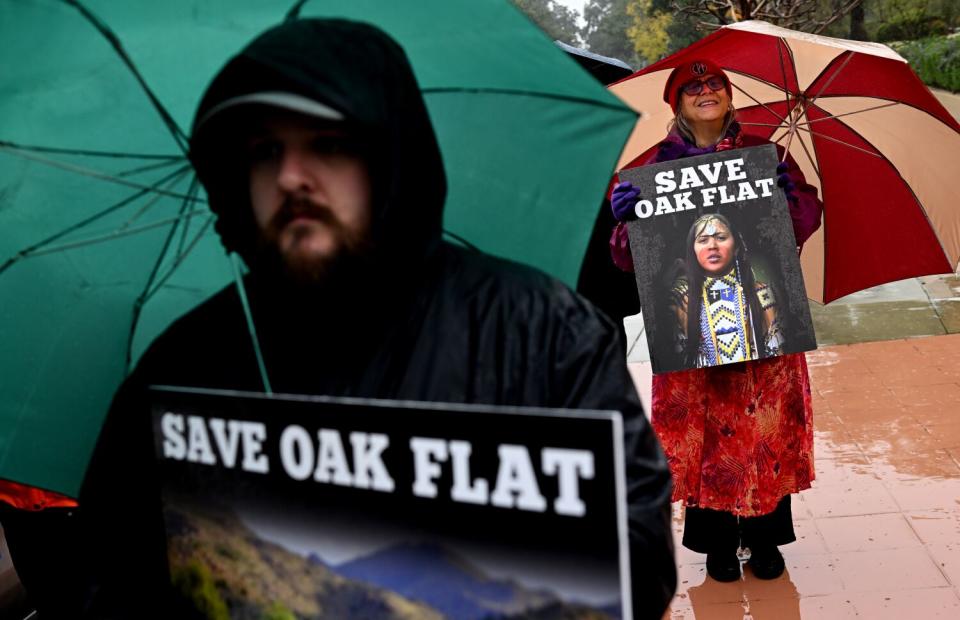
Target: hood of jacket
point(361, 72)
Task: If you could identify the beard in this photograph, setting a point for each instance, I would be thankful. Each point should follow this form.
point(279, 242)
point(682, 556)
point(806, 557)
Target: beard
point(351, 255)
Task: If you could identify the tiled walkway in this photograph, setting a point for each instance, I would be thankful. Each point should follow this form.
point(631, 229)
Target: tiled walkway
point(879, 533)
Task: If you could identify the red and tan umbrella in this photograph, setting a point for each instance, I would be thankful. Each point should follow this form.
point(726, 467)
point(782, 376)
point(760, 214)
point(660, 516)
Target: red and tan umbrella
point(883, 151)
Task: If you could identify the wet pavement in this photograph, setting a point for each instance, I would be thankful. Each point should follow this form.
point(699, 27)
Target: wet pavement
point(919, 307)
point(878, 535)
point(951, 101)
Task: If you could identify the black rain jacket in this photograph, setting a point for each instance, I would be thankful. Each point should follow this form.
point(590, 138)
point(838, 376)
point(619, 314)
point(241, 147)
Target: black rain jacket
point(423, 321)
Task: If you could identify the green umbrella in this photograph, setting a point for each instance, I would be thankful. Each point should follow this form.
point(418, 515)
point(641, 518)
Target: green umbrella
point(107, 238)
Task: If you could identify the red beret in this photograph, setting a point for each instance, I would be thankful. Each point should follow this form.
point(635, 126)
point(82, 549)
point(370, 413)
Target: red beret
point(690, 70)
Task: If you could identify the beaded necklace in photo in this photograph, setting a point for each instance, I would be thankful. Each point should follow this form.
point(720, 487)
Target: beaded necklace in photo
point(724, 320)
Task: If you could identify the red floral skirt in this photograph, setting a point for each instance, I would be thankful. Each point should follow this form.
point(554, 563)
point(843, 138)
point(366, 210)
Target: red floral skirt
point(738, 437)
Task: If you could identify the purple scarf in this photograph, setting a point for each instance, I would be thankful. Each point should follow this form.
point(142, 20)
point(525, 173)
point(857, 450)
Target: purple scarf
point(674, 146)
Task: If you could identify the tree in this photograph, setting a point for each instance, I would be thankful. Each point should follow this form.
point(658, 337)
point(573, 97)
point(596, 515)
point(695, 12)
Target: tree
point(605, 30)
point(558, 21)
point(905, 20)
point(656, 31)
point(649, 30)
point(807, 15)
point(683, 28)
point(858, 28)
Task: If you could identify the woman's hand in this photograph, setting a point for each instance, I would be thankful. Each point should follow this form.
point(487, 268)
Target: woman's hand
point(623, 201)
point(785, 183)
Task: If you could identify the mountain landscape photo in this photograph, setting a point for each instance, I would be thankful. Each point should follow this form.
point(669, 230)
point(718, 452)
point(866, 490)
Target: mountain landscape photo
point(450, 583)
point(225, 569)
point(228, 572)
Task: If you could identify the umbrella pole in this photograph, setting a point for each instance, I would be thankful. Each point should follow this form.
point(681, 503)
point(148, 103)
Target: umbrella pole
point(242, 291)
point(794, 117)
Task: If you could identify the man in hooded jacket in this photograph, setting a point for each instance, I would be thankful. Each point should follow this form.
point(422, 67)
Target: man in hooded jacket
point(393, 313)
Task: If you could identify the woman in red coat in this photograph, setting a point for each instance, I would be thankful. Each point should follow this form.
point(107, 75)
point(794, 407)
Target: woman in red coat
point(739, 437)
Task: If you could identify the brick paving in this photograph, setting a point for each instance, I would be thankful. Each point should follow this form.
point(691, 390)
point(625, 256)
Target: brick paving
point(879, 532)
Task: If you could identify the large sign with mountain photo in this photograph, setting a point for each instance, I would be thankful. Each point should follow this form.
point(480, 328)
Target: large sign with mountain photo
point(314, 507)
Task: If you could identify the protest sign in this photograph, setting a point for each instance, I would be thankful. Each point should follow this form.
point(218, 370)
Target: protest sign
point(716, 261)
point(324, 507)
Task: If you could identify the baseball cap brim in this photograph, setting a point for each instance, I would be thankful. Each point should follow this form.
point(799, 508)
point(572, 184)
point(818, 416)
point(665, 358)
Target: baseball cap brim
point(276, 99)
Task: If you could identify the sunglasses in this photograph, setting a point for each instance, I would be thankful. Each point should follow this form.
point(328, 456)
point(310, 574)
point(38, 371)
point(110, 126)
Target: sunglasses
point(694, 88)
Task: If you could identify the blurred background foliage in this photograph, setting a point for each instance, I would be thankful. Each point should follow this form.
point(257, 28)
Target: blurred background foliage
point(936, 60)
point(640, 32)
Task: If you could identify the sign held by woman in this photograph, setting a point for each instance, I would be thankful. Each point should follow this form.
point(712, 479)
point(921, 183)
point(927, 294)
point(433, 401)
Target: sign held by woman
point(716, 262)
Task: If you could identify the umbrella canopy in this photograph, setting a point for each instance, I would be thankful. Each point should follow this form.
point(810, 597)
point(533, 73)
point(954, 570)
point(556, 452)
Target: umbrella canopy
point(107, 237)
point(862, 127)
point(605, 69)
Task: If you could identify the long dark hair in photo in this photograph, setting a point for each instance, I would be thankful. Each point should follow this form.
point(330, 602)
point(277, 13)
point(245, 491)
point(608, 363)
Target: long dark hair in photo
point(695, 278)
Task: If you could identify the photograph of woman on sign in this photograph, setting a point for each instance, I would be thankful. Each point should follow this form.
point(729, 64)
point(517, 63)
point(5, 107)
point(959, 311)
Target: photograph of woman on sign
point(724, 314)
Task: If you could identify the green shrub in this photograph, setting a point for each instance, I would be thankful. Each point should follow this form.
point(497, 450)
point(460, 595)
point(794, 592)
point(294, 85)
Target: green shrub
point(935, 60)
point(912, 25)
point(195, 584)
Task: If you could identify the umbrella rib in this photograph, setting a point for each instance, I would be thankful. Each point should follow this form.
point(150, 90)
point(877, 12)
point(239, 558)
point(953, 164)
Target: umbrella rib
point(946, 254)
point(755, 78)
point(178, 135)
point(793, 114)
point(147, 168)
point(95, 174)
point(138, 307)
point(838, 141)
point(830, 80)
point(169, 238)
point(294, 12)
point(762, 124)
point(759, 103)
point(186, 226)
point(78, 225)
point(89, 152)
point(829, 117)
point(810, 158)
point(180, 258)
point(153, 200)
point(141, 299)
point(110, 236)
point(783, 70)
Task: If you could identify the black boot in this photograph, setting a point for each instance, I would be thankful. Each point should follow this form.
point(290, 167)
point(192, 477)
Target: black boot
point(723, 565)
point(766, 562)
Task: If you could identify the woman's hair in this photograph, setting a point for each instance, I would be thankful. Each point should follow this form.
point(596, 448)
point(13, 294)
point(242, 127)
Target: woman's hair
point(684, 129)
point(696, 276)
